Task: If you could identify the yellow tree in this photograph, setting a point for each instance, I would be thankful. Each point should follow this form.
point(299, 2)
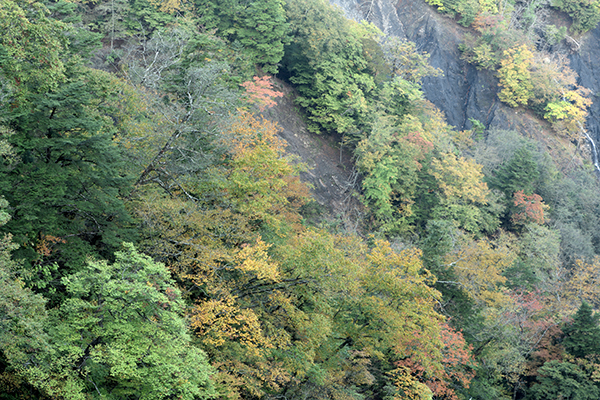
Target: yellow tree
point(262, 181)
point(557, 95)
point(582, 285)
point(568, 114)
point(514, 75)
point(463, 193)
point(459, 177)
point(375, 300)
point(205, 227)
point(479, 266)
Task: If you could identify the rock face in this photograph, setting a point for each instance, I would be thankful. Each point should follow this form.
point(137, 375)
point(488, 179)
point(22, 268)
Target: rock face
point(587, 65)
point(463, 92)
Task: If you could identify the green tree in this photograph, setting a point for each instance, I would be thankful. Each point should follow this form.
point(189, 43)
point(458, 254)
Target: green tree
point(259, 27)
point(121, 334)
point(22, 317)
point(519, 173)
point(462, 193)
point(390, 158)
point(352, 298)
point(71, 177)
point(326, 62)
point(582, 336)
point(585, 14)
point(563, 380)
point(30, 46)
point(466, 9)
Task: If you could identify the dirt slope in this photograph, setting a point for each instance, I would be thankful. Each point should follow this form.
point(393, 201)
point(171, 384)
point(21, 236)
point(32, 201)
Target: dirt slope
point(330, 171)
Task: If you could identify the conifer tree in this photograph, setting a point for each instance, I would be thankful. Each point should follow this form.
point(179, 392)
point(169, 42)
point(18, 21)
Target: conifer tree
point(563, 380)
point(519, 173)
point(70, 177)
point(583, 335)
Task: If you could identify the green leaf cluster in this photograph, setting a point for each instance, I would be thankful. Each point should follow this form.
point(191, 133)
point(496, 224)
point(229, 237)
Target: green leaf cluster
point(326, 63)
point(585, 14)
point(259, 27)
point(121, 333)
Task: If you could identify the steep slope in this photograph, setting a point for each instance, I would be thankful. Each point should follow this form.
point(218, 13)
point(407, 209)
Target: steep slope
point(585, 63)
point(464, 92)
point(330, 170)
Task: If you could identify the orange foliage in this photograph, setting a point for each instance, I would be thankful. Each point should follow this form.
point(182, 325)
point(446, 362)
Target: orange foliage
point(260, 92)
point(44, 246)
point(547, 349)
point(487, 22)
point(533, 322)
point(422, 146)
point(529, 208)
point(455, 365)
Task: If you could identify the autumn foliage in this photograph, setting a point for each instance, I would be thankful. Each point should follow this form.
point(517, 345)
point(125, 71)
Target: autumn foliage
point(259, 91)
point(528, 208)
point(455, 370)
point(450, 284)
point(514, 75)
point(263, 182)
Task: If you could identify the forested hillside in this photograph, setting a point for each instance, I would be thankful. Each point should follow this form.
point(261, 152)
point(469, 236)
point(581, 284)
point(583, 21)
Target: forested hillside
point(157, 240)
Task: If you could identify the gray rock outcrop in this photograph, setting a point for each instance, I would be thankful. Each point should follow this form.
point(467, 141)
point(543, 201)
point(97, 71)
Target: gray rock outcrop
point(464, 92)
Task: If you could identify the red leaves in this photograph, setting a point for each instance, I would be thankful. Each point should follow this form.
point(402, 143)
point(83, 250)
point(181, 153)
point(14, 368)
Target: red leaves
point(260, 92)
point(456, 359)
point(487, 22)
point(421, 145)
point(529, 208)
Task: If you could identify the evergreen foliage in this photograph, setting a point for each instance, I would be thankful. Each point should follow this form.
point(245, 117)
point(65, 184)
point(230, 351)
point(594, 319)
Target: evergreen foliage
point(259, 27)
point(585, 14)
point(518, 173)
point(22, 318)
point(30, 46)
point(70, 177)
point(582, 336)
point(564, 380)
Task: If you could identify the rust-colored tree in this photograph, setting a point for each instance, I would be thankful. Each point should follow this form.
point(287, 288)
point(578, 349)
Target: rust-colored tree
point(259, 91)
point(456, 370)
point(528, 208)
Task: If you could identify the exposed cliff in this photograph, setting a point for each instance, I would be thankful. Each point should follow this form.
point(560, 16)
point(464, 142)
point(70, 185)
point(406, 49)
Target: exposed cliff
point(464, 92)
point(587, 64)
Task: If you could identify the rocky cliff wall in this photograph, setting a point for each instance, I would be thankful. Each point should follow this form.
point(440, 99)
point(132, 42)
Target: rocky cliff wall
point(464, 92)
point(587, 65)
